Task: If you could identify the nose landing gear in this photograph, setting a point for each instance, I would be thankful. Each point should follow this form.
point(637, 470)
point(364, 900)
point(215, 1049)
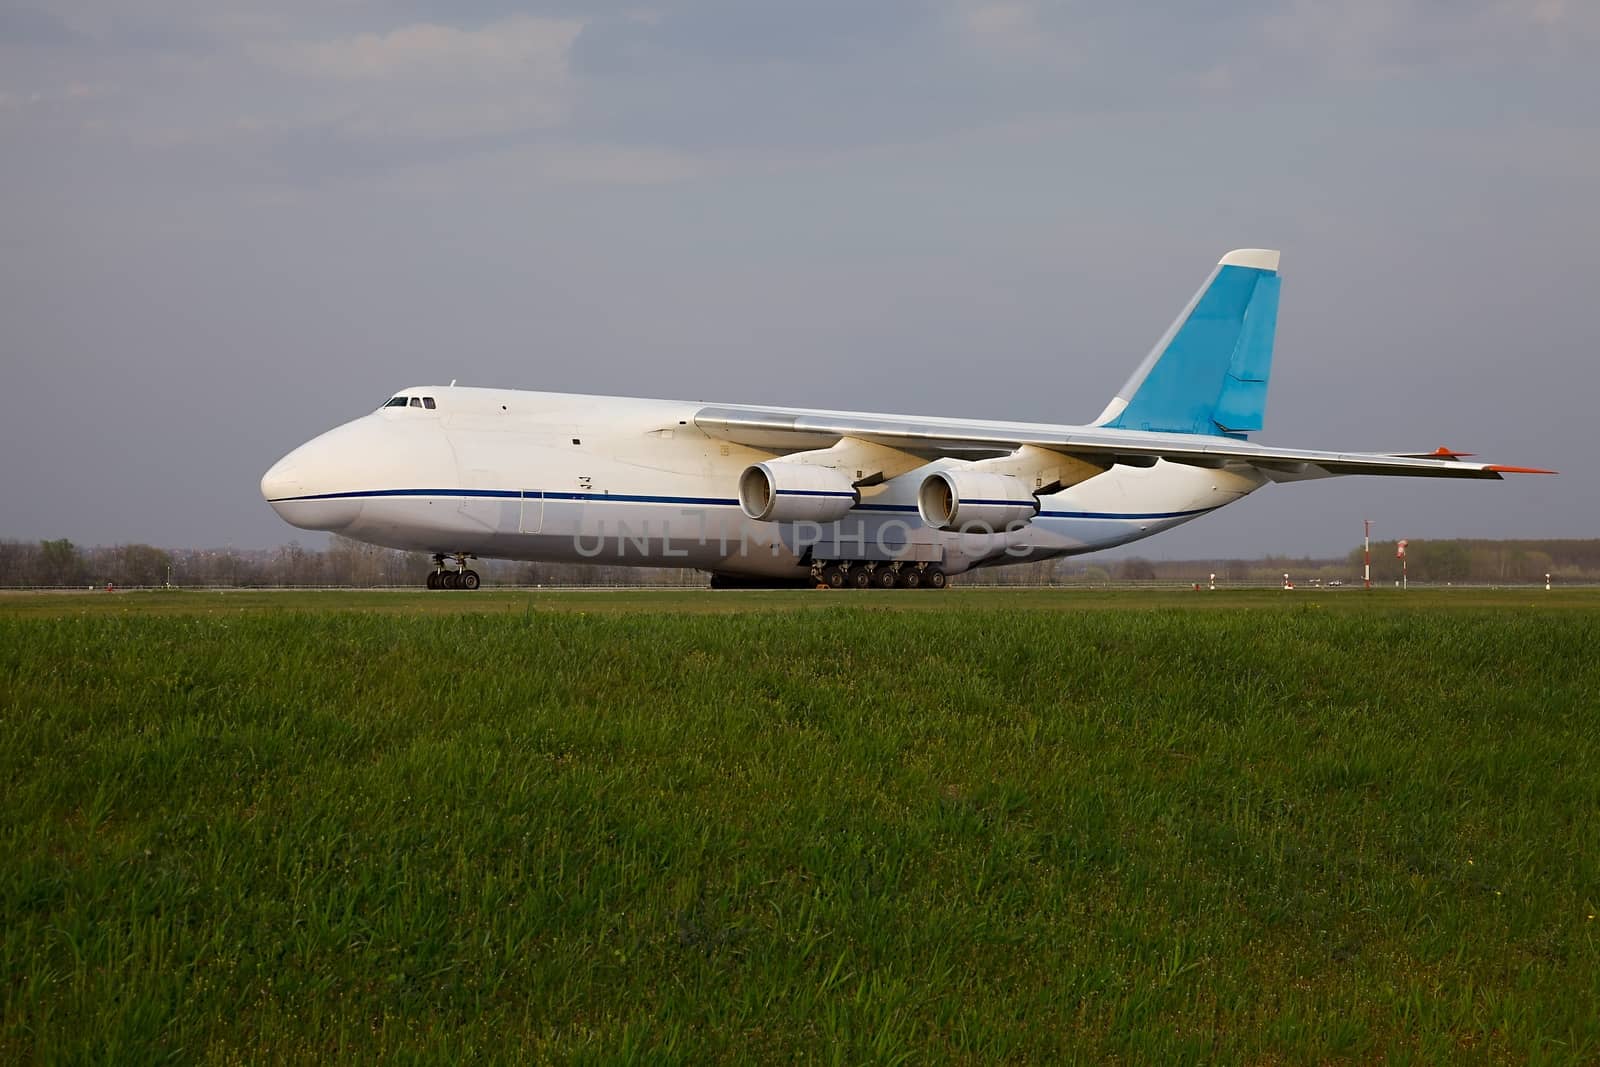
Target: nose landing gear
point(460, 578)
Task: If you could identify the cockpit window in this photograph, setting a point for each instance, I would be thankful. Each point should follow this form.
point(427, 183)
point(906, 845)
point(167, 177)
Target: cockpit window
point(425, 402)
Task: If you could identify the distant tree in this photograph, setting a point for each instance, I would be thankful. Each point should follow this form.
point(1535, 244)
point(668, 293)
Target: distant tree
point(351, 562)
point(140, 565)
point(60, 563)
point(1444, 561)
point(404, 568)
point(1485, 564)
point(1534, 565)
point(202, 567)
point(1137, 569)
point(19, 563)
point(290, 565)
point(230, 568)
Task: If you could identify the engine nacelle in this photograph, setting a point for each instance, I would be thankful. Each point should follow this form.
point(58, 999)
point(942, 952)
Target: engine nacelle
point(795, 492)
point(959, 499)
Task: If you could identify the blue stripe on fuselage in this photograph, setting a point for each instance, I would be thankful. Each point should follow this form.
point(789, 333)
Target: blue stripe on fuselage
point(640, 498)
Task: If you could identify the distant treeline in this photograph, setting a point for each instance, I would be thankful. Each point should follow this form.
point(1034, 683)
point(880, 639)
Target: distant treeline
point(1485, 561)
point(60, 563)
point(344, 563)
point(1438, 562)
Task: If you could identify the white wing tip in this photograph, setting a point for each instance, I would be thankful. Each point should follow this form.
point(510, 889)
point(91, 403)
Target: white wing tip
point(1259, 258)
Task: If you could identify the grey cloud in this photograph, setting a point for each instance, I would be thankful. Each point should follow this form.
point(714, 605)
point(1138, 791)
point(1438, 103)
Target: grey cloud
point(737, 32)
point(20, 26)
point(824, 77)
point(708, 76)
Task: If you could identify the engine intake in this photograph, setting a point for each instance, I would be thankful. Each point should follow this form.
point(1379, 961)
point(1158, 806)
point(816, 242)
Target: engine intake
point(795, 492)
point(974, 501)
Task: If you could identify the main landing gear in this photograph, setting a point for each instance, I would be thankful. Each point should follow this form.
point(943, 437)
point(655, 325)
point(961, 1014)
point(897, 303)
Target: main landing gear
point(460, 578)
point(846, 574)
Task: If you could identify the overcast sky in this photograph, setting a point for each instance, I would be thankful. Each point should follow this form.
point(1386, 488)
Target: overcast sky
point(226, 227)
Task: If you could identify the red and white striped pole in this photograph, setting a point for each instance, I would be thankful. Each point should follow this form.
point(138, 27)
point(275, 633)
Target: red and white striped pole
point(1366, 546)
point(1400, 551)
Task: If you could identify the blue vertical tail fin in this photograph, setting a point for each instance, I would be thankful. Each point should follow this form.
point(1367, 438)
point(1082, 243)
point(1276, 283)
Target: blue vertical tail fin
point(1208, 373)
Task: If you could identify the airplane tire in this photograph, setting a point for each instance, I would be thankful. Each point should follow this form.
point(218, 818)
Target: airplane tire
point(433, 579)
point(910, 578)
point(885, 578)
point(833, 577)
point(860, 578)
point(451, 580)
point(935, 578)
point(469, 580)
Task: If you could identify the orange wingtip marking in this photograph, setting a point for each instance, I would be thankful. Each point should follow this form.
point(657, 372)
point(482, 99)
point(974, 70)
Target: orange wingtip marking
point(1498, 469)
point(1447, 453)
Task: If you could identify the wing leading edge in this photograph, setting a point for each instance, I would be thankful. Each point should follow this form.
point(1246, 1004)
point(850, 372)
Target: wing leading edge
point(784, 430)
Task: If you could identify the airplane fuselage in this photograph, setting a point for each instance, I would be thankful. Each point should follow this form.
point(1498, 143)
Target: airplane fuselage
point(559, 477)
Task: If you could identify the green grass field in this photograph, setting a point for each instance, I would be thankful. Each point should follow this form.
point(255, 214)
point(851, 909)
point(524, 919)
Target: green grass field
point(690, 826)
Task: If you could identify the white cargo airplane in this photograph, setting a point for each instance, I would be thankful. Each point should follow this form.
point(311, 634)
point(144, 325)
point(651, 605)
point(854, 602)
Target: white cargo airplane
point(758, 495)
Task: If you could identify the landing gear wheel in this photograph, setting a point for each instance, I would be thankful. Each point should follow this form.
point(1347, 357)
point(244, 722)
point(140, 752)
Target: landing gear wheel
point(860, 578)
point(935, 579)
point(910, 578)
point(451, 580)
point(833, 577)
point(468, 580)
point(433, 579)
point(884, 578)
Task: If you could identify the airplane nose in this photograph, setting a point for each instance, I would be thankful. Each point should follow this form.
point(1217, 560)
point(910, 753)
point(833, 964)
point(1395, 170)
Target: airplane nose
point(297, 487)
point(346, 479)
point(282, 480)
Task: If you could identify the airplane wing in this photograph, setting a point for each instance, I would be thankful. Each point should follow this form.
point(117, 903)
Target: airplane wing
point(1192, 400)
point(784, 430)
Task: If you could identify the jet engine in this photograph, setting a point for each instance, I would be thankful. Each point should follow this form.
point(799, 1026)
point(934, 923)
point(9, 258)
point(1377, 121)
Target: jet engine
point(795, 492)
point(960, 499)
